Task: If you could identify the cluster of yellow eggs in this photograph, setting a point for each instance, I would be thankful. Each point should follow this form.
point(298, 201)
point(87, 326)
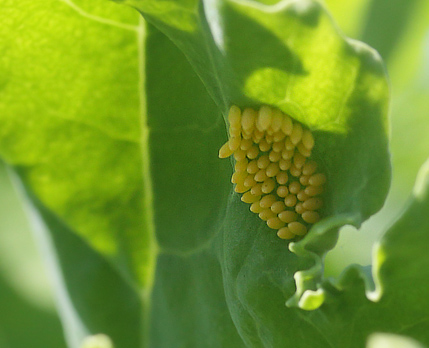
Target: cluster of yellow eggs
point(273, 171)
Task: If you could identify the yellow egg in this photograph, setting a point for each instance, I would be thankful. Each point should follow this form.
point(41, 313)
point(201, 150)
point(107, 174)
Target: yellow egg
point(285, 233)
point(288, 216)
point(297, 228)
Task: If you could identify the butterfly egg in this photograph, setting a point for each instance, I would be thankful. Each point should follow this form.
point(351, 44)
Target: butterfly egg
point(298, 160)
point(313, 203)
point(246, 144)
point(303, 179)
point(285, 233)
point(311, 217)
point(263, 162)
point(238, 177)
point(278, 146)
point(290, 200)
point(264, 118)
point(303, 150)
point(268, 186)
point(297, 228)
point(309, 168)
point(313, 190)
point(289, 145)
point(317, 179)
point(271, 149)
point(296, 172)
point(282, 178)
point(275, 156)
point(267, 201)
point(249, 181)
point(302, 196)
point(235, 132)
point(284, 164)
point(248, 120)
point(296, 135)
point(287, 154)
point(256, 190)
point(234, 143)
point(275, 223)
point(272, 170)
point(248, 197)
point(282, 191)
point(253, 152)
point(252, 167)
point(299, 208)
point(234, 117)
point(240, 188)
point(288, 216)
point(277, 120)
point(279, 136)
point(287, 125)
point(257, 136)
point(239, 155)
point(261, 175)
point(241, 166)
point(225, 151)
point(278, 207)
point(247, 135)
point(294, 187)
point(256, 208)
point(307, 139)
point(266, 214)
point(264, 145)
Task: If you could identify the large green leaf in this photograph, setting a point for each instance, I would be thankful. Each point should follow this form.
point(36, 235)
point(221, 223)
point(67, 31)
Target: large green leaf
point(67, 129)
point(71, 115)
point(290, 55)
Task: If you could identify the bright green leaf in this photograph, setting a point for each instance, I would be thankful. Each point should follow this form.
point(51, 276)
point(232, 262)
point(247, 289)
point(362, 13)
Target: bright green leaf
point(67, 129)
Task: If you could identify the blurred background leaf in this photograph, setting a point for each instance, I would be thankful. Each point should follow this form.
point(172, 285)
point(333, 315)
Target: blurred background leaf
point(27, 313)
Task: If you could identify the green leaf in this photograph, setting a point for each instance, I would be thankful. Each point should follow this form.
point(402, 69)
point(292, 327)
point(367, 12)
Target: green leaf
point(70, 128)
point(335, 86)
point(73, 139)
point(42, 328)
